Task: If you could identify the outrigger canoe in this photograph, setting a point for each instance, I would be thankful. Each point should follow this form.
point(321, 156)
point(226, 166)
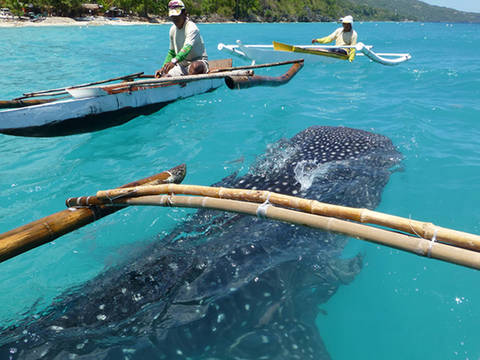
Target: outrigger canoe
point(96, 106)
point(311, 53)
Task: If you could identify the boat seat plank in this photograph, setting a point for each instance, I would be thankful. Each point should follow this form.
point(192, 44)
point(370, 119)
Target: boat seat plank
point(219, 64)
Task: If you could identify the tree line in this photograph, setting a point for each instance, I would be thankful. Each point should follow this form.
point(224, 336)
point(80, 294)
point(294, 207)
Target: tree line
point(214, 10)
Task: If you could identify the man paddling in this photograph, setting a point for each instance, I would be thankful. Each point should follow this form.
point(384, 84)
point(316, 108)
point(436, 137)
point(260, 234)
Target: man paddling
point(186, 55)
point(342, 36)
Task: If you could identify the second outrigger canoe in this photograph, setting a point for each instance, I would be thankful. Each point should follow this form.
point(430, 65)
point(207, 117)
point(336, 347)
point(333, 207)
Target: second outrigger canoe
point(311, 53)
point(97, 106)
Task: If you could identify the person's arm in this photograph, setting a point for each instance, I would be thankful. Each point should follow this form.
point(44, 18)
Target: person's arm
point(167, 63)
point(326, 39)
point(183, 53)
point(169, 57)
point(192, 35)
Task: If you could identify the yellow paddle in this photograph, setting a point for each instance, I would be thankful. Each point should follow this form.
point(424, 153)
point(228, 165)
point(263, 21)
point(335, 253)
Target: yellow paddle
point(322, 52)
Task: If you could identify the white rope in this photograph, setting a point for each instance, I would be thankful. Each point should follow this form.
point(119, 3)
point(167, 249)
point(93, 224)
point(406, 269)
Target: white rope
point(434, 238)
point(169, 200)
point(262, 208)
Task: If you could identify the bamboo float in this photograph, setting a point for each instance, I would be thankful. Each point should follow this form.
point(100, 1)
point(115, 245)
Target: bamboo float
point(36, 233)
point(243, 82)
point(424, 230)
point(418, 246)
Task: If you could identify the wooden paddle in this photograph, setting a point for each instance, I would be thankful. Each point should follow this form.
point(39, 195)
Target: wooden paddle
point(36, 233)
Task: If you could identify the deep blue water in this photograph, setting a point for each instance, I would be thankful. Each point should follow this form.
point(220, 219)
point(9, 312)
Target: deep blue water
point(400, 305)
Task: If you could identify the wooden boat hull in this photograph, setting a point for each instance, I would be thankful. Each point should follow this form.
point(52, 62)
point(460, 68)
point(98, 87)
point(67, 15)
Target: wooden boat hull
point(75, 116)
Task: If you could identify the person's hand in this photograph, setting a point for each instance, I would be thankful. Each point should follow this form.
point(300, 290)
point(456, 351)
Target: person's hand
point(167, 67)
point(314, 41)
point(164, 70)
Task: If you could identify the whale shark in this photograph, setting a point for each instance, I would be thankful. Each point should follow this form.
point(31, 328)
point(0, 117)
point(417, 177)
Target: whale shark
point(224, 285)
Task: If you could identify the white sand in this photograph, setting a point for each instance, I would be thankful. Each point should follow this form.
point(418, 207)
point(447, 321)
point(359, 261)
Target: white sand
point(65, 21)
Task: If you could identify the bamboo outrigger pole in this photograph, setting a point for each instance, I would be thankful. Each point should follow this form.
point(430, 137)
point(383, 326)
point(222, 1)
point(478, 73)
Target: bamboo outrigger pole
point(396, 240)
point(106, 202)
point(424, 230)
point(60, 91)
point(289, 62)
point(36, 233)
point(12, 104)
point(243, 82)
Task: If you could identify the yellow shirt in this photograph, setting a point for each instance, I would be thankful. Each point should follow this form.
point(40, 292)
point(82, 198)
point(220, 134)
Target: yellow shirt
point(341, 38)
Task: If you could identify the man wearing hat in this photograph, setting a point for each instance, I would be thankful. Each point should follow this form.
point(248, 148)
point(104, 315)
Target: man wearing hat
point(342, 36)
point(186, 55)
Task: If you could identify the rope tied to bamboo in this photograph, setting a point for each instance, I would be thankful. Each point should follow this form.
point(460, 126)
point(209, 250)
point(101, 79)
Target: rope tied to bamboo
point(168, 200)
point(262, 208)
point(434, 238)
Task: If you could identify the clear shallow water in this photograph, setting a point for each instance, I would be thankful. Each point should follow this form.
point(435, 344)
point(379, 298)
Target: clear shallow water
point(400, 305)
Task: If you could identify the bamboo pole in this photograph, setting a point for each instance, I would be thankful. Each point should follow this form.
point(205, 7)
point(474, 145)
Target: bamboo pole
point(215, 74)
point(234, 71)
point(178, 79)
point(12, 104)
point(425, 230)
point(36, 233)
point(62, 90)
point(418, 246)
point(256, 66)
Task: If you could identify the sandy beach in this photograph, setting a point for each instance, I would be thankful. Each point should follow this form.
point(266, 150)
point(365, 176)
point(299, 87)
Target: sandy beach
point(65, 21)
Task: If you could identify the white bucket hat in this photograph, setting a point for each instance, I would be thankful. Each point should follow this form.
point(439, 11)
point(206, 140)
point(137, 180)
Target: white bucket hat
point(347, 19)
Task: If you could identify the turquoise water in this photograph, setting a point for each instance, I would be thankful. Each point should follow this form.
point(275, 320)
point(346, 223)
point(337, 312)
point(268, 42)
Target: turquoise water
point(400, 305)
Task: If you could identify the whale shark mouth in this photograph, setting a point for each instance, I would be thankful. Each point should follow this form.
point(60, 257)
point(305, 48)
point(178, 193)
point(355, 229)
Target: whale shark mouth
point(222, 285)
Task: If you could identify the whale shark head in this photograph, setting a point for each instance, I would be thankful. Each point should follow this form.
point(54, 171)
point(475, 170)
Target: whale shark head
point(324, 163)
point(222, 285)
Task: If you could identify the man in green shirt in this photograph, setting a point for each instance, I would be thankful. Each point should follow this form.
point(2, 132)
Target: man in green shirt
point(187, 54)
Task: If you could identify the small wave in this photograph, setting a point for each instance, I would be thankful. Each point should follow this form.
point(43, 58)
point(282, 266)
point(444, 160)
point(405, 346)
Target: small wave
point(306, 171)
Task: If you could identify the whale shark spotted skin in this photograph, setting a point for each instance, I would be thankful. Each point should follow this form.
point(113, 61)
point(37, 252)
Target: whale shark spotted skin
point(224, 285)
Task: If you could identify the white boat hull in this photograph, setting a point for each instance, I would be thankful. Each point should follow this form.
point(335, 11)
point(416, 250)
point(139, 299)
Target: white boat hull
point(86, 114)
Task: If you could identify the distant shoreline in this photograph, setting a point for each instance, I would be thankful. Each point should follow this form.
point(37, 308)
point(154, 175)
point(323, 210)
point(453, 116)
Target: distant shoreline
point(66, 21)
point(124, 21)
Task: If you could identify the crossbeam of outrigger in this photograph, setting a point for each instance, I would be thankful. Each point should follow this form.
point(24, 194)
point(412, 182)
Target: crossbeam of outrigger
point(420, 238)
